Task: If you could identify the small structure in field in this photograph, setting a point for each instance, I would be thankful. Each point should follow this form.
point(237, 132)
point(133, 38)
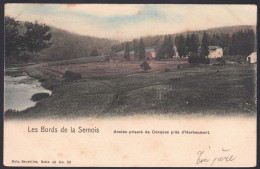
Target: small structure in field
point(252, 58)
point(215, 52)
point(69, 75)
point(150, 53)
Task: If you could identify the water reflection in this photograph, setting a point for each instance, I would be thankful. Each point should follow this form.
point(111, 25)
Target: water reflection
point(19, 90)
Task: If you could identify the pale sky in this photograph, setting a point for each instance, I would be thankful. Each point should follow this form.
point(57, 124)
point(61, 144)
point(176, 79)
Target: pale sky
point(128, 21)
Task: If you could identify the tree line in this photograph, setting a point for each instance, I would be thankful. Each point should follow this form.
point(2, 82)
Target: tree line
point(241, 42)
point(24, 40)
point(137, 47)
point(166, 50)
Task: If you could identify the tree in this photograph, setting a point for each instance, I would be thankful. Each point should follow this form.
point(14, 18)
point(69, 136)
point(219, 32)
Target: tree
point(141, 50)
point(215, 40)
point(135, 48)
point(24, 41)
point(188, 45)
point(204, 45)
point(242, 43)
point(36, 37)
point(166, 49)
point(195, 58)
point(159, 53)
point(127, 51)
point(145, 66)
point(12, 38)
point(169, 47)
point(225, 43)
point(180, 44)
point(194, 43)
point(94, 52)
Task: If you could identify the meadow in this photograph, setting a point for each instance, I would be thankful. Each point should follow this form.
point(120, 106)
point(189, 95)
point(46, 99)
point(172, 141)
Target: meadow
point(228, 89)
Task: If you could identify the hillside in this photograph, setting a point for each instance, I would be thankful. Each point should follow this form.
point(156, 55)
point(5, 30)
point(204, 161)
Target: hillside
point(228, 29)
point(66, 45)
point(156, 40)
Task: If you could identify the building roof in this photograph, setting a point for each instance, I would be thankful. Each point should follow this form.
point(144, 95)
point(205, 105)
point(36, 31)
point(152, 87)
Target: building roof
point(253, 55)
point(120, 53)
point(147, 50)
point(214, 47)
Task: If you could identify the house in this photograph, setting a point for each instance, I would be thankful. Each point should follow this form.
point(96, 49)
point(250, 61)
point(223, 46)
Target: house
point(215, 52)
point(149, 54)
point(252, 58)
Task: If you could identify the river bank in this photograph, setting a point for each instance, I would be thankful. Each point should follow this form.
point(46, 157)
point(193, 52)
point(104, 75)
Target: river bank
point(218, 90)
point(21, 91)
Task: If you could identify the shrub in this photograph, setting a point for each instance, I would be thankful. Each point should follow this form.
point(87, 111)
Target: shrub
point(42, 80)
point(166, 69)
point(39, 96)
point(10, 113)
point(69, 75)
point(221, 60)
point(195, 58)
point(145, 66)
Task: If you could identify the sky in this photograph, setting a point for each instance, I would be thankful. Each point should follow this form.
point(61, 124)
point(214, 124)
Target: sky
point(128, 21)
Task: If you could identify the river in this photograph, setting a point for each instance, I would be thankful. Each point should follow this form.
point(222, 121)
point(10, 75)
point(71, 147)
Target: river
point(19, 90)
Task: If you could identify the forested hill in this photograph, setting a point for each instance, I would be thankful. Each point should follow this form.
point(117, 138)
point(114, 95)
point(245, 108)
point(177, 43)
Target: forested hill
point(66, 45)
point(158, 39)
point(229, 29)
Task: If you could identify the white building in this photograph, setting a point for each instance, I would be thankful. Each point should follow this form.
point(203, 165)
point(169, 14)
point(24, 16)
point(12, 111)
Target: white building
point(252, 58)
point(215, 52)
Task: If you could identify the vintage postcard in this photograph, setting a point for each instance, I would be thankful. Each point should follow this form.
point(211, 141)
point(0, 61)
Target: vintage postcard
point(130, 85)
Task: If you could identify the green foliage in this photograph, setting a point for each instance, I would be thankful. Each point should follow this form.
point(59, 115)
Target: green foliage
point(39, 96)
point(235, 58)
point(169, 47)
point(127, 52)
point(145, 66)
point(222, 40)
point(221, 60)
point(135, 47)
point(12, 37)
point(225, 43)
point(94, 52)
point(194, 43)
point(215, 40)
point(69, 75)
point(204, 44)
point(141, 50)
point(166, 49)
point(167, 70)
point(187, 44)
point(198, 59)
point(23, 45)
point(180, 44)
point(242, 43)
point(36, 37)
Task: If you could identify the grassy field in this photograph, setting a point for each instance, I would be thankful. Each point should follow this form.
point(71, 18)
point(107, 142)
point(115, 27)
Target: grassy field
point(217, 90)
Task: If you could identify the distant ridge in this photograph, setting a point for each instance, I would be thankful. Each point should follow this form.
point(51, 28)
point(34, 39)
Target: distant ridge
point(157, 39)
point(67, 45)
